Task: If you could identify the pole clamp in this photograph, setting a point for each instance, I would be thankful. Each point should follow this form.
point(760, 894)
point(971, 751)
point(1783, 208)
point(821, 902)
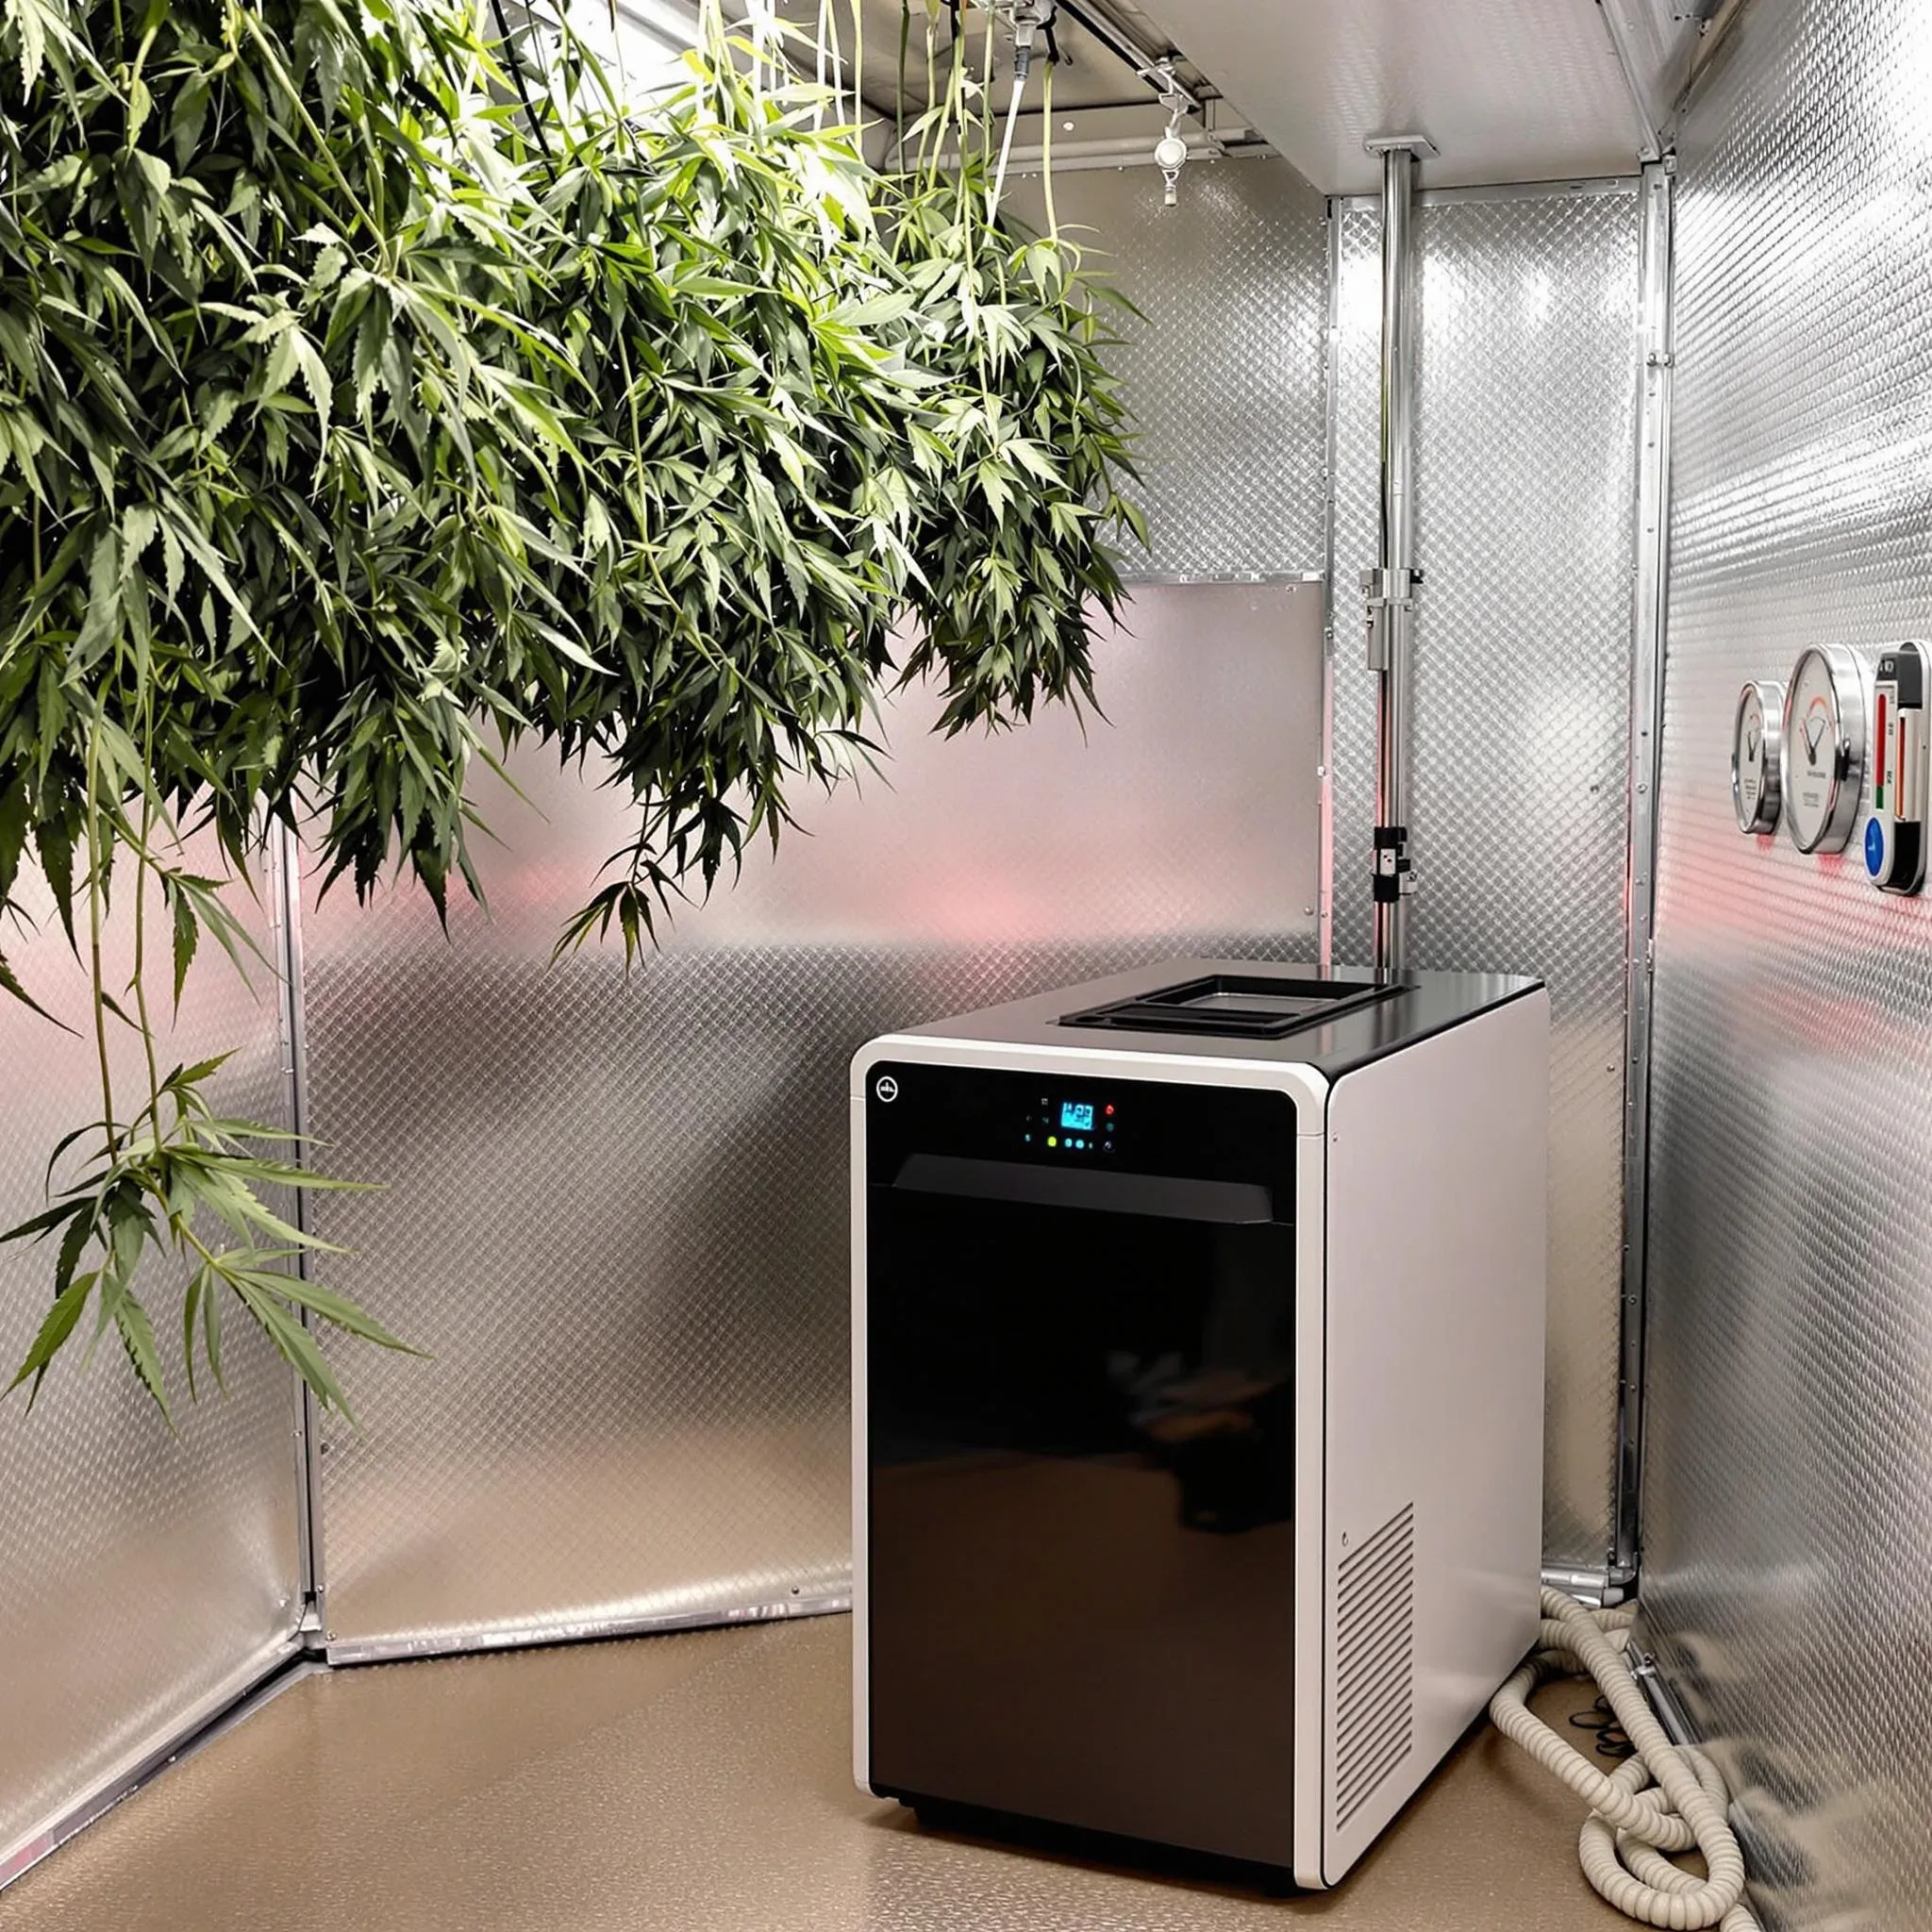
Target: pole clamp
point(1384, 590)
point(1394, 879)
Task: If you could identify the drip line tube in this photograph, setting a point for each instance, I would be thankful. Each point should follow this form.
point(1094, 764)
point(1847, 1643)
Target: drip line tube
point(999, 179)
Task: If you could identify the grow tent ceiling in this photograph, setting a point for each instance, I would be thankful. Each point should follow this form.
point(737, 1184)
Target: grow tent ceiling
point(1508, 89)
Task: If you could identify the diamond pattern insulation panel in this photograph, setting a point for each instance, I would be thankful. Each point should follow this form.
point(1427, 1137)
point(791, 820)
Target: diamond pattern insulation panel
point(1788, 1500)
point(1222, 366)
point(1526, 455)
point(143, 1577)
point(615, 1207)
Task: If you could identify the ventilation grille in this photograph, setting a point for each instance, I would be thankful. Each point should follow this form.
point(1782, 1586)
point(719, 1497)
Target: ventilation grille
point(1374, 1663)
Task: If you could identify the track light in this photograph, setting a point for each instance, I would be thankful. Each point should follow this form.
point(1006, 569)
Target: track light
point(1171, 151)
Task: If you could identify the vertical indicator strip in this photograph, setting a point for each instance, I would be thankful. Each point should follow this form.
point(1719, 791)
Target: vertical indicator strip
point(1878, 776)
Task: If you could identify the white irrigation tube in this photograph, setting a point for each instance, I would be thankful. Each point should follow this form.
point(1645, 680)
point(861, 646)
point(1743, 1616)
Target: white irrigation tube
point(999, 179)
point(1631, 1826)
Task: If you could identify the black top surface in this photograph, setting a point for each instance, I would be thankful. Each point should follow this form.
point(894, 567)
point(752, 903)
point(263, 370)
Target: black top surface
point(1352, 1034)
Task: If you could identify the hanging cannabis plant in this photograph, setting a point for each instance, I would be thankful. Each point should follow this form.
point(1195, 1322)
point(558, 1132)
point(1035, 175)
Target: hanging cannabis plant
point(375, 395)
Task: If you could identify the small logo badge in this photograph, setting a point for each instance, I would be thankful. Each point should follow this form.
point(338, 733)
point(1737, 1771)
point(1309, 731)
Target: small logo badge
point(887, 1089)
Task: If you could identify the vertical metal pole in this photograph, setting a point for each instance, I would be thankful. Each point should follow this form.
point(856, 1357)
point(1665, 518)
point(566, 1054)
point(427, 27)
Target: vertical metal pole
point(1331, 406)
point(1646, 728)
point(285, 889)
point(1392, 584)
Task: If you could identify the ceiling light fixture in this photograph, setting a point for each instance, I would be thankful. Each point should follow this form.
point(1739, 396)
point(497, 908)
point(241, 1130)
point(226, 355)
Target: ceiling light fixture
point(1171, 151)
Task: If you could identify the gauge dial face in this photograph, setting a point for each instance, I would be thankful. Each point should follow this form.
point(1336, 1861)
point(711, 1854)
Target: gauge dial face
point(1823, 759)
point(1756, 791)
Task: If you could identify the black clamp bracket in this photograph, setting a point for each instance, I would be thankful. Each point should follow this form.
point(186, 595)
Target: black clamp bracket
point(1394, 878)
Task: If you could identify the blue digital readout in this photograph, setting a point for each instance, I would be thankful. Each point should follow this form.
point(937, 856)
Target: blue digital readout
point(1077, 1115)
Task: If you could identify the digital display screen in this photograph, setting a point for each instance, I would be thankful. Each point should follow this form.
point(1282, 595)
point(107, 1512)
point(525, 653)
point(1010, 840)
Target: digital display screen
point(1076, 1115)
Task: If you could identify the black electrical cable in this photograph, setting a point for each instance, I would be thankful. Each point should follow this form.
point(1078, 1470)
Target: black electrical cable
point(1612, 1740)
point(514, 56)
point(899, 99)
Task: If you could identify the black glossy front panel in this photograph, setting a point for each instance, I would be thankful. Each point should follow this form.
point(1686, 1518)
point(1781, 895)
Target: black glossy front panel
point(1081, 1419)
point(1172, 1128)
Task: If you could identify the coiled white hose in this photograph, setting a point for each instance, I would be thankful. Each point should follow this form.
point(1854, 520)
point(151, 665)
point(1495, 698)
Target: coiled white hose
point(1631, 1825)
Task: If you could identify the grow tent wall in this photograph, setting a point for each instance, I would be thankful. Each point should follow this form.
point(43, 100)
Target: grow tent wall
point(1788, 1505)
point(614, 1208)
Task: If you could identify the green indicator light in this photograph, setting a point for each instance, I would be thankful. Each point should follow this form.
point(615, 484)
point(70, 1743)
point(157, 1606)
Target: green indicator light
point(1053, 1139)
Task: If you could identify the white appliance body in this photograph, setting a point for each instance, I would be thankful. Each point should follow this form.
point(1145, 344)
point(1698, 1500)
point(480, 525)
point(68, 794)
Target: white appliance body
point(1271, 1673)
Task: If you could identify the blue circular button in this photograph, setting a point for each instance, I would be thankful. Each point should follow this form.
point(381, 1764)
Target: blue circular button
point(1875, 848)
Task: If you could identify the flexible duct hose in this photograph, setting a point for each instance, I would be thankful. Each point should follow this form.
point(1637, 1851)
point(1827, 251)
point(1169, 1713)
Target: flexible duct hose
point(1631, 1825)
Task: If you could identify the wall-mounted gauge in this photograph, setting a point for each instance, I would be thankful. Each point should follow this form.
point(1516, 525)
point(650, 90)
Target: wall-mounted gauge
point(1824, 758)
point(1895, 833)
point(1755, 791)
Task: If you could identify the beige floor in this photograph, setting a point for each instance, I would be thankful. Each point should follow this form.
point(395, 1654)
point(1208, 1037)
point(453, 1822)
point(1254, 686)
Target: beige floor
point(694, 1783)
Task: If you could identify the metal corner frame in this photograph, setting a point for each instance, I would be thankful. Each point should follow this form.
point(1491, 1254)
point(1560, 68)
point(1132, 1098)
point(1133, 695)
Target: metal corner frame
point(213, 1718)
point(285, 915)
point(1168, 579)
point(1665, 1704)
point(1575, 188)
point(1714, 46)
point(1391, 585)
point(1331, 451)
point(1656, 348)
point(1642, 106)
point(599, 1628)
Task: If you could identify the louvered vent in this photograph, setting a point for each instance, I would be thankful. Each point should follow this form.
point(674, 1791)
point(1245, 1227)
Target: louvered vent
point(1374, 1663)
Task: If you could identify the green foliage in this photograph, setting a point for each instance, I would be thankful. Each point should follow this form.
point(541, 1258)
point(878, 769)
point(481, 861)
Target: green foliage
point(373, 396)
point(148, 1182)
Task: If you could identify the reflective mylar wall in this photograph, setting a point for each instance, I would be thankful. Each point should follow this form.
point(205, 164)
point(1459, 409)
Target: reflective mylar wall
point(1527, 358)
point(1224, 360)
point(1787, 1493)
point(615, 1205)
point(145, 1579)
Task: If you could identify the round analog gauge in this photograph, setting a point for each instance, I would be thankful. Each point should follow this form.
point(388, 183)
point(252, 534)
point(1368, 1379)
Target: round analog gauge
point(1755, 791)
point(1823, 759)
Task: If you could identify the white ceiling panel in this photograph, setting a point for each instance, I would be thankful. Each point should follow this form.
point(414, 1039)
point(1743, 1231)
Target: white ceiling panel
point(1508, 89)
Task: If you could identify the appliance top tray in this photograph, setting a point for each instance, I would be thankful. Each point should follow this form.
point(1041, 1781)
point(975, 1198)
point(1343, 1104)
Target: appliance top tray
point(1234, 1006)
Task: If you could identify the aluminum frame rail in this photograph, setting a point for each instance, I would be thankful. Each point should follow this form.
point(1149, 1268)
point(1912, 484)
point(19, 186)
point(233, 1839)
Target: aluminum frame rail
point(1391, 586)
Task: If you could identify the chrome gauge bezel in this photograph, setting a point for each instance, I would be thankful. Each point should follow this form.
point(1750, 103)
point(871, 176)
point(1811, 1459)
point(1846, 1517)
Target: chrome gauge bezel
point(1764, 816)
point(1842, 720)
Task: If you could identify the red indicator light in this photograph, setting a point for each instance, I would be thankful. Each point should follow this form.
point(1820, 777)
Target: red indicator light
point(1109, 1112)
